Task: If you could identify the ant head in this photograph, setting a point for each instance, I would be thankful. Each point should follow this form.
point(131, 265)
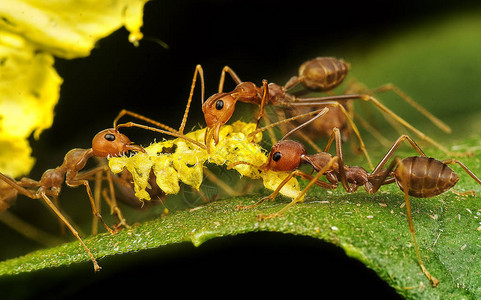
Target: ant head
point(217, 111)
point(285, 155)
point(111, 143)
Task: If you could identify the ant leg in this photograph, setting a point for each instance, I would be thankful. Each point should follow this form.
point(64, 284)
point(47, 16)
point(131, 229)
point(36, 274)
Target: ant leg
point(271, 196)
point(292, 82)
point(265, 88)
point(225, 187)
point(309, 102)
point(393, 148)
point(468, 171)
point(97, 191)
point(8, 196)
point(198, 71)
point(336, 135)
point(125, 112)
point(381, 177)
point(463, 194)
point(111, 200)
point(381, 107)
point(390, 87)
point(232, 74)
point(281, 115)
point(285, 181)
point(405, 183)
point(270, 131)
point(28, 230)
point(74, 232)
point(74, 182)
point(114, 208)
point(18, 185)
point(204, 197)
point(313, 180)
point(378, 135)
point(319, 113)
point(61, 225)
point(407, 125)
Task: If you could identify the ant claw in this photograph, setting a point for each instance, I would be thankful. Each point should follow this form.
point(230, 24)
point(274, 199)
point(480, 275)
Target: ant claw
point(265, 217)
point(241, 207)
point(97, 267)
point(116, 228)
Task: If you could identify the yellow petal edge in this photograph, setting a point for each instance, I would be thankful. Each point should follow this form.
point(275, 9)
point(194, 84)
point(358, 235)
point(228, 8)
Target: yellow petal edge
point(31, 34)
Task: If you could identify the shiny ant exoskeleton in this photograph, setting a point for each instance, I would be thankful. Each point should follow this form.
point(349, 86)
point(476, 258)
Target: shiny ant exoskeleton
point(418, 176)
point(319, 74)
point(107, 143)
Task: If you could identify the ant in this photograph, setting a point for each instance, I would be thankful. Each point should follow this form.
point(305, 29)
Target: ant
point(320, 74)
point(164, 128)
point(107, 143)
point(418, 176)
point(323, 74)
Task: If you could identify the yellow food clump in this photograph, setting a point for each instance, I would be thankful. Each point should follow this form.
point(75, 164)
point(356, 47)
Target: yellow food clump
point(177, 160)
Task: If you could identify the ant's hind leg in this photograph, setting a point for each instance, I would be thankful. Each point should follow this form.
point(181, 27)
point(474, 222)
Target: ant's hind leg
point(390, 87)
point(393, 148)
point(466, 169)
point(469, 172)
point(405, 184)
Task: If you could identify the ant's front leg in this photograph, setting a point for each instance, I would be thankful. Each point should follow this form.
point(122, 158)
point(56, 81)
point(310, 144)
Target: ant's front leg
point(275, 193)
point(313, 180)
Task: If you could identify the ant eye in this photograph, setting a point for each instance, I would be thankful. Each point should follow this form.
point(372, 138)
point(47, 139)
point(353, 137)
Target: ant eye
point(109, 137)
point(276, 156)
point(219, 105)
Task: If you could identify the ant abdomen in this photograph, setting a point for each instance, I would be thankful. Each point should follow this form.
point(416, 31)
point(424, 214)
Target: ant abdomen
point(323, 73)
point(426, 176)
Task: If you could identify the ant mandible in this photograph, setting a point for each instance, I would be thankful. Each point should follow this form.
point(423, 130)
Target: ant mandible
point(418, 176)
point(107, 143)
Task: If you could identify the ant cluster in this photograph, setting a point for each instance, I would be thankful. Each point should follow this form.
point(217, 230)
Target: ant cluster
point(158, 170)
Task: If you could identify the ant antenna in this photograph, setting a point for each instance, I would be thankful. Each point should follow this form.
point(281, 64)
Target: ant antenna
point(157, 41)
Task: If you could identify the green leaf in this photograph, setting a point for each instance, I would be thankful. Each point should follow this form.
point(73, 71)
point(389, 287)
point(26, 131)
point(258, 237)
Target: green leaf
point(370, 228)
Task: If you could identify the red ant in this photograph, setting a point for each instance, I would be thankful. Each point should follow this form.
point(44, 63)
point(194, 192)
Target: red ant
point(323, 74)
point(418, 176)
point(107, 143)
point(320, 74)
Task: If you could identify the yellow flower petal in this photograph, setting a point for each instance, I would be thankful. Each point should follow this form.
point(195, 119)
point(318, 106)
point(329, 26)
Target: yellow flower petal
point(31, 32)
point(70, 28)
point(29, 88)
point(272, 180)
point(18, 149)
